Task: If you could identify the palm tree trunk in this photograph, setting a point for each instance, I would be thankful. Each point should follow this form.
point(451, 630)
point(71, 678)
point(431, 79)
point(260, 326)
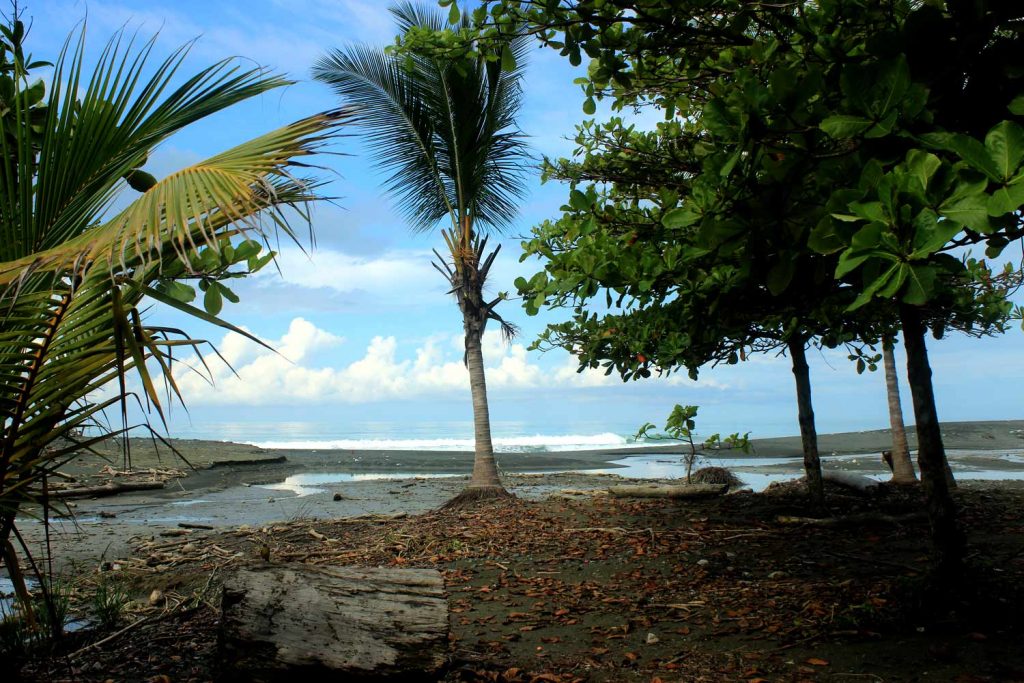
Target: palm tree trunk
point(468, 285)
point(947, 537)
point(808, 433)
point(485, 471)
point(902, 467)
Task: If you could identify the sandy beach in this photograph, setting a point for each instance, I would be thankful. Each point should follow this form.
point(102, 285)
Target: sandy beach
point(231, 484)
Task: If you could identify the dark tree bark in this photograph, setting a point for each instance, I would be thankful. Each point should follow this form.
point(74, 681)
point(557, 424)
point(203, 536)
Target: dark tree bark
point(805, 410)
point(947, 537)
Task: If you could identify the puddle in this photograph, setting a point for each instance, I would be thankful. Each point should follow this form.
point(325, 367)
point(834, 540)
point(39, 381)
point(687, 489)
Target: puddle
point(312, 483)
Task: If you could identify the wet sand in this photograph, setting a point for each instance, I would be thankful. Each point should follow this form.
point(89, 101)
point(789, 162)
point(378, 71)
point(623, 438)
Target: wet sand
point(227, 486)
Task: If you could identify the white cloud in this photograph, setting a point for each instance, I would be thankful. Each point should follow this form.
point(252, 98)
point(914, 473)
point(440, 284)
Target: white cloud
point(301, 370)
point(398, 275)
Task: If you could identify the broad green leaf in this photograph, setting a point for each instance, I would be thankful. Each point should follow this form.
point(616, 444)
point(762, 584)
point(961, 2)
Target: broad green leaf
point(931, 234)
point(1017, 105)
point(883, 127)
point(920, 284)
point(824, 239)
point(508, 59)
point(868, 237)
point(898, 276)
point(970, 150)
point(780, 275)
point(1006, 199)
point(453, 14)
point(869, 211)
point(213, 301)
point(850, 261)
point(1005, 144)
point(891, 84)
point(680, 217)
point(179, 291)
point(731, 163)
point(968, 206)
point(922, 166)
point(843, 126)
point(589, 106)
point(578, 200)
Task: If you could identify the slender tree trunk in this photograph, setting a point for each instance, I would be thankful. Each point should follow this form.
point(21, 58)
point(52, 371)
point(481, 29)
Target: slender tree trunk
point(485, 471)
point(808, 434)
point(947, 537)
point(467, 282)
point(902, 467)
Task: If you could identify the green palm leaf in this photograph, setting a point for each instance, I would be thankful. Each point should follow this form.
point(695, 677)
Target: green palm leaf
point(73, 276)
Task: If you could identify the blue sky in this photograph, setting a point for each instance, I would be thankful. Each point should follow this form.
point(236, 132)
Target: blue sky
point(365, 332)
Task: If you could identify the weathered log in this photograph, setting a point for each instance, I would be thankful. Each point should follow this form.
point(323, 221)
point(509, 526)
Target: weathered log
point(111, 489)
point(850, 480)
point(670, 491)
point(352, 623)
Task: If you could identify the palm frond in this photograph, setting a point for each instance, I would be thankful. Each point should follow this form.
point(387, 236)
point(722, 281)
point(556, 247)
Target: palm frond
point(443, 130)
point(73, 278)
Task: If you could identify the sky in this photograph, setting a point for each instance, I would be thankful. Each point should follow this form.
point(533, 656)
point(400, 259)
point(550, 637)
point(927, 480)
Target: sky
point(368, 342)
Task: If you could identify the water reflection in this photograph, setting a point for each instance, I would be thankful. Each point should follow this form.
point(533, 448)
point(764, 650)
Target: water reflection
point(313, 483)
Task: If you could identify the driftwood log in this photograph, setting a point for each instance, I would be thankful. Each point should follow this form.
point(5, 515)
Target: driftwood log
point(346, 623)
point(850, 480)
point(668, 491)
point(111, 489)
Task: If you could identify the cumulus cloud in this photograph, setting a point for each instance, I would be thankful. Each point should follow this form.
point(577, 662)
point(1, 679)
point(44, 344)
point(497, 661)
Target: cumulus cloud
point(397, 275)
point(306, 367)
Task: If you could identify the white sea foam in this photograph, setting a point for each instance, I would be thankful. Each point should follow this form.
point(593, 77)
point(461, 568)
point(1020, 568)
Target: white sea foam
point(510, 444)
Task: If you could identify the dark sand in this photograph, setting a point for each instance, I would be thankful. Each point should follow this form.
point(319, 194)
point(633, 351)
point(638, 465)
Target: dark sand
point(227, 486)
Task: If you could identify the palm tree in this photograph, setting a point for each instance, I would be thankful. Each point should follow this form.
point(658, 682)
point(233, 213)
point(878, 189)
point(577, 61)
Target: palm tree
point(445, 130)
point(902, 467)
point(74, 271)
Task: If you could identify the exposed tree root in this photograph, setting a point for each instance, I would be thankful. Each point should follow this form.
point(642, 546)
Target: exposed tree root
point(472, 495)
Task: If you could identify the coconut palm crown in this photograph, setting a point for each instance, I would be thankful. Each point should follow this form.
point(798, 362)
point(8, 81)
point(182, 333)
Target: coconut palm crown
point(444, 131)
point(76, 268)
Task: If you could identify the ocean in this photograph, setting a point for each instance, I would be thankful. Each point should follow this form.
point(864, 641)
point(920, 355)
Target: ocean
point(508, 437)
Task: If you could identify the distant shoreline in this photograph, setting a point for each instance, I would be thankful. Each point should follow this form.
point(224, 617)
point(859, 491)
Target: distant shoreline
point(225, 456)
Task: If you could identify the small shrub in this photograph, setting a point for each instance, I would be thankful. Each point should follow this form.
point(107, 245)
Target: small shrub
point(109, 602)
point(54, 616)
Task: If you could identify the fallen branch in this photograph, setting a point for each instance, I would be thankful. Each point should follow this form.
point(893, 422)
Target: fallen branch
point(862, 518)
point(677, 491)
point(111, 489)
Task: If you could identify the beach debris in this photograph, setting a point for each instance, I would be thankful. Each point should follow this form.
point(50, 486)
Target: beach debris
point(110, 489)
point(331, 620)
point(337, 497)
point(715, 475)
point(107, 515)
point(175, 532)
point(157, 598)
point(668, 491)
point(195, 525)
point(583, 492)
point(850, 480)
point(859, 519)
